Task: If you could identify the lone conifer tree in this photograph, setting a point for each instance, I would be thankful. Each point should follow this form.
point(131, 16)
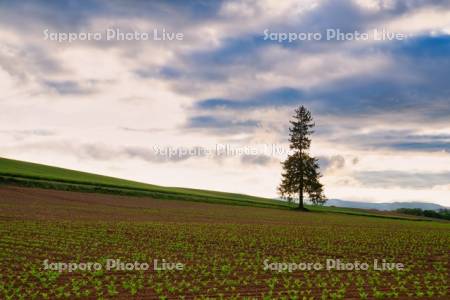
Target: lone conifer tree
point(300, 170)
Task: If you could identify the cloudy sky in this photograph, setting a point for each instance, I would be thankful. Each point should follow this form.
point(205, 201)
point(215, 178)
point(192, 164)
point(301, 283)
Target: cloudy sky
point(158, 110)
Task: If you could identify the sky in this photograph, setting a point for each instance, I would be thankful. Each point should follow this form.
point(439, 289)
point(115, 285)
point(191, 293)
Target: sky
point(208, 106)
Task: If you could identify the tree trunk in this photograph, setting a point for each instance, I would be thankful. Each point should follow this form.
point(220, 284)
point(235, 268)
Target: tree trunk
point(300, 197)
point(300, 194)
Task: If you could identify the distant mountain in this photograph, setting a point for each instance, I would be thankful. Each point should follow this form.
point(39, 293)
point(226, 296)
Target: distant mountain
point(384, 206)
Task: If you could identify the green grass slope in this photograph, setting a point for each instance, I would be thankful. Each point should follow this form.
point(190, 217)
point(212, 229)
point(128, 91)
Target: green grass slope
point(38, 175)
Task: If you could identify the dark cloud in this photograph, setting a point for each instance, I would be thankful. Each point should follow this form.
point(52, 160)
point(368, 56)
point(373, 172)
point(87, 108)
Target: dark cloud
point(414, 89)
point(30, 132)
point(166, 154)
point(26, 63)
point(66, 15)
point(399, 7)
point(74, 15)
point(144, 130)
point(331, 163)
point(260, 160)
point(195, 11)
point(399, 140)
point(274, 98)
point(195, 68)
point(164, 72)
point(345, 15)
point(246, 54)
point(222, 125)
point(425, 59)
point(389, 179)
point(417, 146)
point(67, 87)
point(235, 51)
point(153, 155)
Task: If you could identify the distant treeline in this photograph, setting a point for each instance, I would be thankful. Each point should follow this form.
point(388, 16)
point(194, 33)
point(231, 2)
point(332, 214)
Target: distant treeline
point(440, 214)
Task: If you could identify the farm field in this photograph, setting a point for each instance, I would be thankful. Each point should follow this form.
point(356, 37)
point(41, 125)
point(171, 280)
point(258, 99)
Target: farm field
point(216, 150)
point(223, 250)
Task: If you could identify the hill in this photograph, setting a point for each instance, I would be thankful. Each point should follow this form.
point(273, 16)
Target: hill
point(43, 176)
point(384, 206)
